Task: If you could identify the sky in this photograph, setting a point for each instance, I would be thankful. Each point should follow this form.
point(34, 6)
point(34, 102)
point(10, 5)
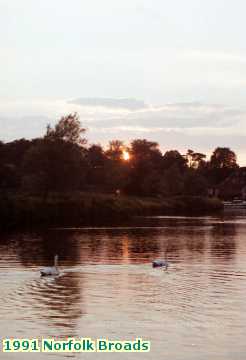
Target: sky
point(169, 71)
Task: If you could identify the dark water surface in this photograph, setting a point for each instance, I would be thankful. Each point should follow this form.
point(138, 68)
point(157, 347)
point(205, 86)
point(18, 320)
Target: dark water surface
point(108, 289)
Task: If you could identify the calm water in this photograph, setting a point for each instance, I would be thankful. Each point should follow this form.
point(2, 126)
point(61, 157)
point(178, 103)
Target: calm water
point(108, 289)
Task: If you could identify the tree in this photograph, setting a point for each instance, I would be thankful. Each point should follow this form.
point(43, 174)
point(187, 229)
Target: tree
point(53, 166)
point(96, 156)
point(174, 158)
point(11, 155)
point(151, 183)
point(145, 151)
point(145, 161)
point(223, 163)
point(189, 157)
point(115, 150)
point(117, 169)
point(195, 184)
point(96, 160)
point(195, 159)
point(67, 129)
point(223, 158)
point(171, 183)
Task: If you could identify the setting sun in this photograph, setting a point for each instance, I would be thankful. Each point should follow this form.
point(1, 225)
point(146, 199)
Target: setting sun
point(126, 155)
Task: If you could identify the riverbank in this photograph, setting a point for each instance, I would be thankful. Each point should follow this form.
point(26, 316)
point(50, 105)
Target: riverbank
point(80, 208)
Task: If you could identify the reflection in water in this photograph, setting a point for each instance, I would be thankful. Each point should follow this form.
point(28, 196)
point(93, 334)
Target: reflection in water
point(107, 287)
point(223, 242)
point(51, 303)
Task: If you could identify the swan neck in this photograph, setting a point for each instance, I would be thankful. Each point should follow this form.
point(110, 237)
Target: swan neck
point(56, 261)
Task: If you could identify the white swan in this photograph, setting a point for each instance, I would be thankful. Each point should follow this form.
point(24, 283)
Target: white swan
point(161, 263)
point(51, 270)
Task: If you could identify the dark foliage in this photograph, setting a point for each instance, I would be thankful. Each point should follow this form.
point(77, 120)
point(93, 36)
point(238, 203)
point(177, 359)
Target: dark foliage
point(60, 163)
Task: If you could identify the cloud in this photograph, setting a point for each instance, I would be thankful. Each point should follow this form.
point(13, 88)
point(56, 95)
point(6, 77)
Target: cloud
point(216, 56)
point(123, 103)
point(181, 125)
point(174, 116)
point(130, 114)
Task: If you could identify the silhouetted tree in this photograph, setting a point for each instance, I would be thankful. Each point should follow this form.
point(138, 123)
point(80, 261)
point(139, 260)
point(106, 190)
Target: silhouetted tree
point(67, 129)
point(172, 183)
point(115, 150)
point(96, 156)
point(195, 159)
point(151, 183)
point(117, 169)
point(59, 163)
point(55, 165)
point(174, 158)
point(145, 159)
point(11, 156)
point(96, 175)
point(144, 151)
point(223, 158)
point(223, 163)
point(194, 184)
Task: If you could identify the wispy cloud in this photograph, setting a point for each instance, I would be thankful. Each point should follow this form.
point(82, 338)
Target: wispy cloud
point(180, 125)
point(218, 56)
point(123, 103)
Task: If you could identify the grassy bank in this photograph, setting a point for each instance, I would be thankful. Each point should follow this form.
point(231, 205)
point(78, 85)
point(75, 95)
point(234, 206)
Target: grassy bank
point(80, 208)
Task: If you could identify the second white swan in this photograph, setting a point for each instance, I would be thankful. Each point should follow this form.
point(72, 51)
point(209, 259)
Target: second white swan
point(51, 270)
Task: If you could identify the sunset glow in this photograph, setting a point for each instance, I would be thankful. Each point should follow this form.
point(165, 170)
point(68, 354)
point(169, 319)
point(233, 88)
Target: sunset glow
point(126, 155)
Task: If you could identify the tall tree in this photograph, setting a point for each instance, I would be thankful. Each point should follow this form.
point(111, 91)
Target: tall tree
point(96, 160)
point(55, 165)
point(115, 150)
point(67, 129)
point(145, 161)
point(143, 150)
point(223, 157)
point(222, 164)
point(174, 158)
point(117, 169)
point(195, 159)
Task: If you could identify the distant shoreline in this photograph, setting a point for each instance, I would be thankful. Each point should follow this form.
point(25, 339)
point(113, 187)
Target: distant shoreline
point(74, 209)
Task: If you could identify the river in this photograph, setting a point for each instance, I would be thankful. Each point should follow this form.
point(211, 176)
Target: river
point(107, 288)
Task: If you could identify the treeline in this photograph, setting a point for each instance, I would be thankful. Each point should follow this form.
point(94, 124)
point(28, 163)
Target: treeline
point(59, 179)
point(62, 162)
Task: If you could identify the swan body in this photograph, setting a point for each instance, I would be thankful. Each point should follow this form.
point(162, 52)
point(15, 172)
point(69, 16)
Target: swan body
point(160, 263)
point(51, 270)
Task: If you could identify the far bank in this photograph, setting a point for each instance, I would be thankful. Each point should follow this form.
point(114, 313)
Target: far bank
point(75, 209)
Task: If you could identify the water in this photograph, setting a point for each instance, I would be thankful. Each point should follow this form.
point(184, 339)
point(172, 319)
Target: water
point(108, 289)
